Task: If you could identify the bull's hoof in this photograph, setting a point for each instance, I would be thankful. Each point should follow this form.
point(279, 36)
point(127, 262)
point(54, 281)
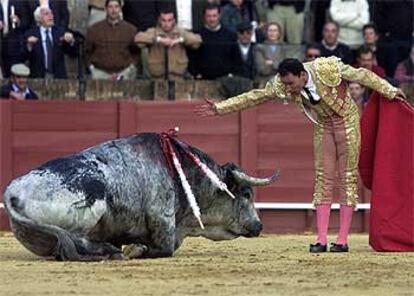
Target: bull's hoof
point(134, 251)
point(118, 256)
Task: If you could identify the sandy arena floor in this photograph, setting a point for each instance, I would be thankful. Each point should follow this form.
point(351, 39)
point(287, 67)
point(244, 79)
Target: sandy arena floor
point(269, 265)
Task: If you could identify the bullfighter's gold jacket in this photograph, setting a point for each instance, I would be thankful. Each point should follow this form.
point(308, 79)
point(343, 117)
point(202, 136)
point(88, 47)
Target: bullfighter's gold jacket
point(329, 75)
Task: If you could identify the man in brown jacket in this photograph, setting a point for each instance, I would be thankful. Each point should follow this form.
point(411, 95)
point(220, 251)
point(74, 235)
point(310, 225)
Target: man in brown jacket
point(166, 47)
point(110, 49)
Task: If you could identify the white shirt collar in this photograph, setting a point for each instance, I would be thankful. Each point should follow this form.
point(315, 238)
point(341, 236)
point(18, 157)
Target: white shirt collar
point(311, 86)
point(18, 90)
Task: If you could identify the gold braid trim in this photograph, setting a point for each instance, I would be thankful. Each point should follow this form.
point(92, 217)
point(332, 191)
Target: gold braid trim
point(353, 143)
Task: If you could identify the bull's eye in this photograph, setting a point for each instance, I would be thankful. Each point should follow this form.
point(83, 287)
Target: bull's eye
point(247, 193)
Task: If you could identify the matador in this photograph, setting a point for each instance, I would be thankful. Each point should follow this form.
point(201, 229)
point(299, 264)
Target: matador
point(320, 90)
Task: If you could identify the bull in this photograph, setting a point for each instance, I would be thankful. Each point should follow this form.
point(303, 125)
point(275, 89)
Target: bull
point(88, 205)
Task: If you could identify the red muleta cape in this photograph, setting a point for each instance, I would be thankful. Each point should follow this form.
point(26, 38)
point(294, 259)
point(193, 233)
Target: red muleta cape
point(386, 167)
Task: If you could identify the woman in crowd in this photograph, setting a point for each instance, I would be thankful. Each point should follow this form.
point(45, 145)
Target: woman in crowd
point(269, 54)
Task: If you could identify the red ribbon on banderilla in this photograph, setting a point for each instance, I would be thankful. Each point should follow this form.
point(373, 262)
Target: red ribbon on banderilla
point(174, 163)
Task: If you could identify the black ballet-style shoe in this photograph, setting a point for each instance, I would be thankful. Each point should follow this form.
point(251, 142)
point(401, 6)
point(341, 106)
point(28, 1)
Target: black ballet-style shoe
point(338, 248)
point(317, 248)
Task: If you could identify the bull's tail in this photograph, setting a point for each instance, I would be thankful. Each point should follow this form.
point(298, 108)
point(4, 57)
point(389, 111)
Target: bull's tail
point(41, 239)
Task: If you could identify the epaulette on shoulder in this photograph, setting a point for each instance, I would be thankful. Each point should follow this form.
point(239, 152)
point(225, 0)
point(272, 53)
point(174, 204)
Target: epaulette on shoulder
point(328, 70)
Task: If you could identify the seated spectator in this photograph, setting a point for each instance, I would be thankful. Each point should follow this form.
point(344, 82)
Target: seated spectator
point(269, 54)
point(237, 12)
point(312, 52)
point(167, 57)
point(59, 9)
point(215, 58)
point(245, 64)
point(96, 11)
point(357, 92)
point(46, 45)
point(365, 59)
point(405, 69)
point(17, 88)
point(330, 46)
point(110, 49)
point(351, 16)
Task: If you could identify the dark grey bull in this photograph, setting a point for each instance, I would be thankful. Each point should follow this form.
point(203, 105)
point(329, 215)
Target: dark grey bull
point(88, 205)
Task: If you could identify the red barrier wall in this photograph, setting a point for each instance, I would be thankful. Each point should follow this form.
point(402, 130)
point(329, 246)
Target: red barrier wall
point(260, 140)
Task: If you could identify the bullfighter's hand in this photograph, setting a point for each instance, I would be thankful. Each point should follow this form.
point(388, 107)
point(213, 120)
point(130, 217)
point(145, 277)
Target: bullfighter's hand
point(400, 95)
point(208, 109)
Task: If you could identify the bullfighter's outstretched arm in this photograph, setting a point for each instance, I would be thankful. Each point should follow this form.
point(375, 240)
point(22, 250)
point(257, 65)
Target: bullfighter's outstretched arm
point(368, 79)
point(274, 89)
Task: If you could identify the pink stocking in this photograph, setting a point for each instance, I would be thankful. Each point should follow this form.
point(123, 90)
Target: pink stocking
point(345, 219)
point(322, 222)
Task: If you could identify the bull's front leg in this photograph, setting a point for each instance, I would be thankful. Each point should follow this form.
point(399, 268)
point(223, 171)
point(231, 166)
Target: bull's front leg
point(162, 243)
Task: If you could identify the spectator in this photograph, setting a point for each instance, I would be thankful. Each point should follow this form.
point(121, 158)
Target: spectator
point(289, 14)
point(245, 64)
point(110, 48)
point(167, 57)
point(215, 58)
point(269, 54)
point(142, 14)
point(405, 70)
point(365, 59)
point(14, 21)
point(46, 45)
point(237, 12)
point(312, 52)
point(17, 88)
point(370, 35)
point(96, 11)
point(351, 16)
point(330, 45)
point(357, 92)
point(59, 9)
point(198, 12)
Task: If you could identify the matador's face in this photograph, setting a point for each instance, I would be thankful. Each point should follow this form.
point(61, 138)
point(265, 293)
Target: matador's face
point(294, 83)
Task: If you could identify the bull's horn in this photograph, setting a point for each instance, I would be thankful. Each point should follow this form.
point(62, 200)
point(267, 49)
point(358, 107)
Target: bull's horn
point(253, 181)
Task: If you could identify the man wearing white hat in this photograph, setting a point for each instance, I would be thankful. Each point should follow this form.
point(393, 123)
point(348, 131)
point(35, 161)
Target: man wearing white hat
point(17, 88)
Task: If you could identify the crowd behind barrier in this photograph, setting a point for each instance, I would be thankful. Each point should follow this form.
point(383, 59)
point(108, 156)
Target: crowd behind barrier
point(238, 43)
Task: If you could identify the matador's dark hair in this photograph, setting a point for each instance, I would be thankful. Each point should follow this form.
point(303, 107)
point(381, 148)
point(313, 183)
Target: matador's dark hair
point(293, 66)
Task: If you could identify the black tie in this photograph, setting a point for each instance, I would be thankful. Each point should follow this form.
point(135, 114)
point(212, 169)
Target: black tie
point(49, 49)
point(309, 94)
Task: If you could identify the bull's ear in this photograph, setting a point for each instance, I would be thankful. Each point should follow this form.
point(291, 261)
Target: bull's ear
point(228, 168)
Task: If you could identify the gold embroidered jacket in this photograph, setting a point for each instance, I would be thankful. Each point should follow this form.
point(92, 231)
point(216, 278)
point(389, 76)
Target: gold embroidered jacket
point(329, 75)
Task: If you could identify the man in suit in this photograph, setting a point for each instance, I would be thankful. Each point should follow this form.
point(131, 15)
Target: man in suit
point(17, 88)
point(321, 86)
point(46, 45)
point(13, 22)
